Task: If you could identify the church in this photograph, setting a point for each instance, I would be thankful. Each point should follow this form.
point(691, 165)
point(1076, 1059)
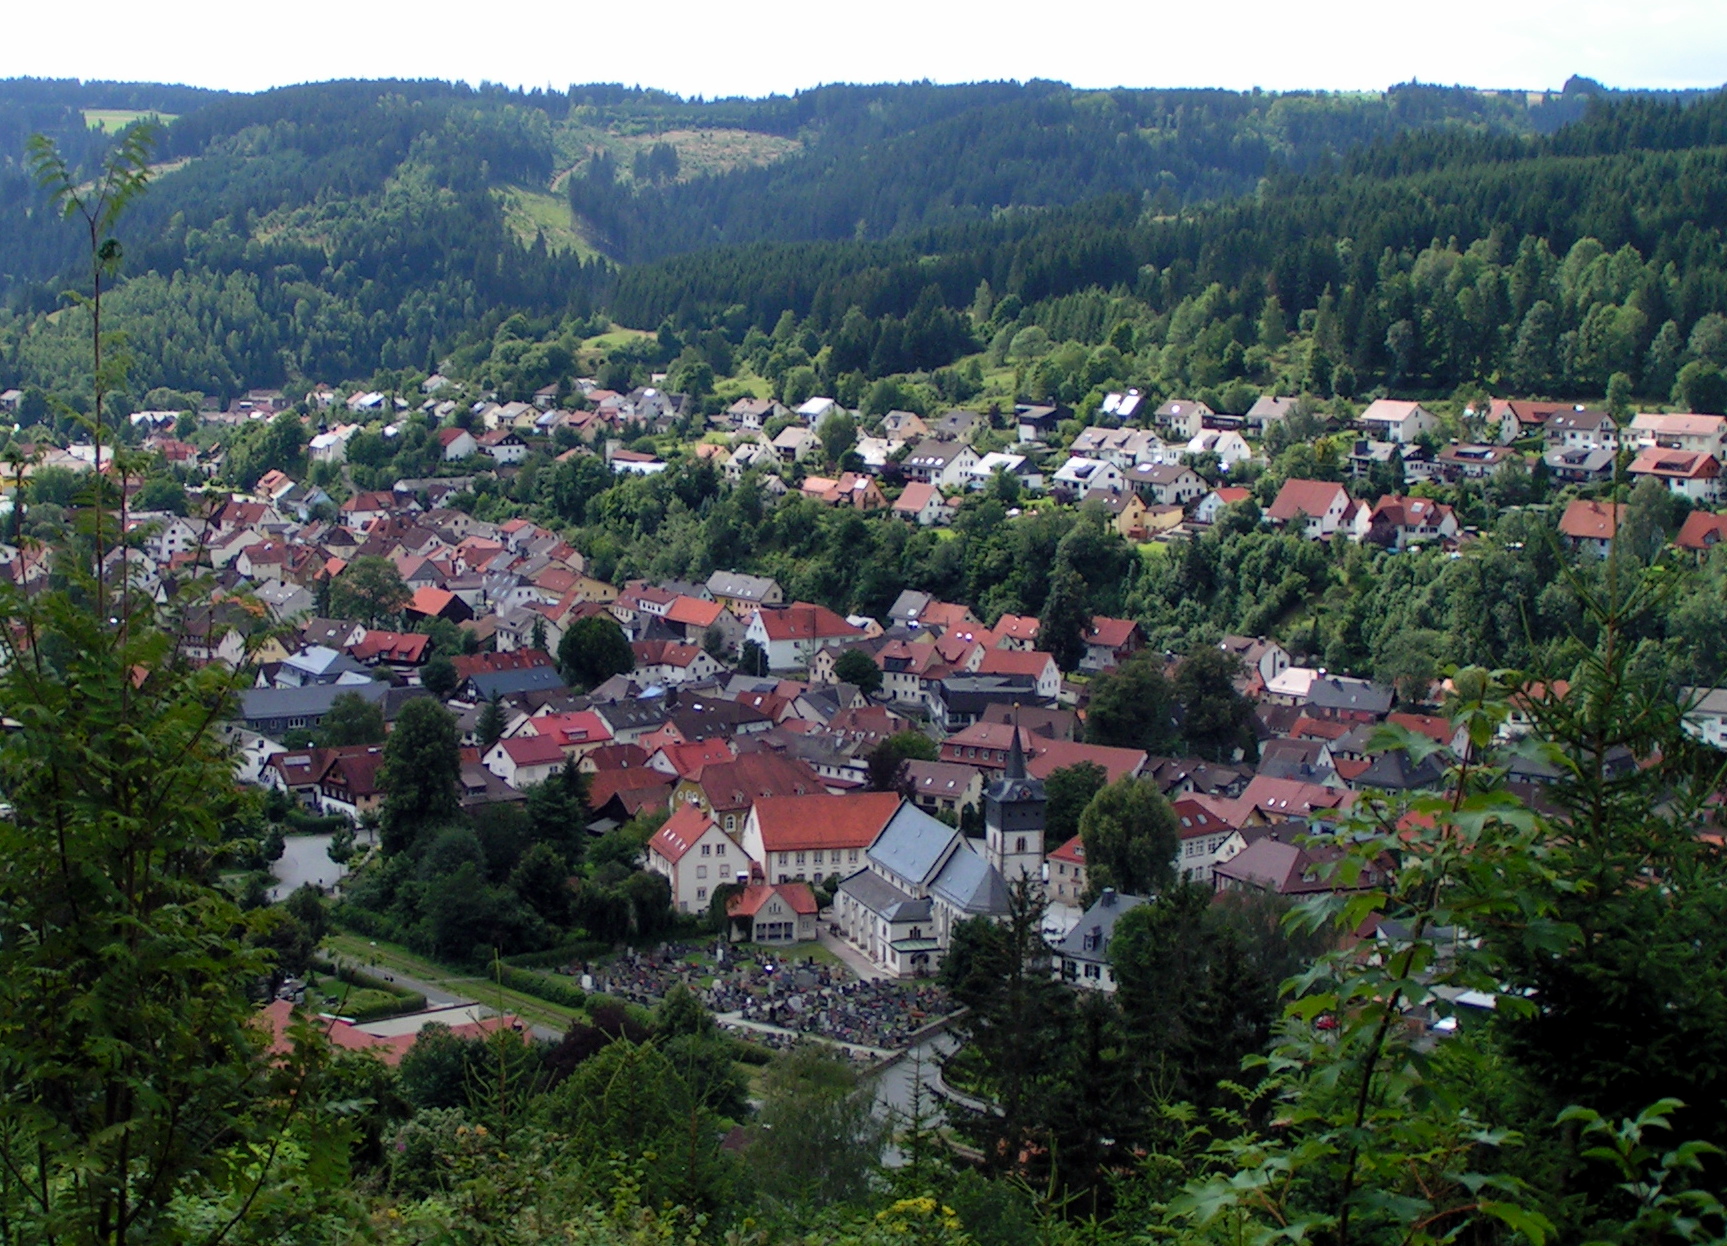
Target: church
point(922, 877)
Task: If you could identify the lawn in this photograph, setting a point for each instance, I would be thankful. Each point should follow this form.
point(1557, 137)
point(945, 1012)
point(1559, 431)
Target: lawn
point(113, 120)
point(393, 958)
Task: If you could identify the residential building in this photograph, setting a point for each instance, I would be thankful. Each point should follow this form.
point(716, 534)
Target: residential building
point(790, 635)
point(1064, 875)
point(1700, 434)
point(695, 857)
point(1590, 525)
point(1390, 420)
point(1581, 428)
point(1692, 474)
point(1181, 419)
point(945, 464)
point(1320, 504)
point(744, 594)
point(1082, 958)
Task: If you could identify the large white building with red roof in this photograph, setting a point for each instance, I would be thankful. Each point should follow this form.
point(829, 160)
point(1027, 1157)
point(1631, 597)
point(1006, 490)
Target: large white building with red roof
point(799, 838)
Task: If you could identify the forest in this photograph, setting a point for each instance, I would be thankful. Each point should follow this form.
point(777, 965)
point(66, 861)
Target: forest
point(1414, 240)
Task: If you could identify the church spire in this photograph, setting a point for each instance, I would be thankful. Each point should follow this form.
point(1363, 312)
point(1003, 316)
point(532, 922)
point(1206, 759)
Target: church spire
point(1016, 754)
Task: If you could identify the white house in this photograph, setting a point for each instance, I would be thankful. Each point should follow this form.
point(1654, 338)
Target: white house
point(1079, 476)
point(790, 635)
point(1402, 422)
point(945, 464)
point(1082, 958)
point(1320, 504)
point(525, 760)
point(457, 443)
point(1229, 446)
point(1700, 434)
point(695, 856)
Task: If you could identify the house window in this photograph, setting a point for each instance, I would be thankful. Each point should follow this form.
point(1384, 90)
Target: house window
point(801, 858)
point(701, 893)
point(1093, 972)
point(1019, 844)
point(720, 849)
point(705, 850)
point(701, 871)
point(783, 857)
point(854, 856)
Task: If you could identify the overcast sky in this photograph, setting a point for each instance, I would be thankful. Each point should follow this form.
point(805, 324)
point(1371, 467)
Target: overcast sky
point(756, 47)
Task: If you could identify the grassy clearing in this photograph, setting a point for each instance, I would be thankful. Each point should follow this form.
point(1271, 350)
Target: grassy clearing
point(530, 212)
point(113, 120)
point(701, 153)
point(394, 958)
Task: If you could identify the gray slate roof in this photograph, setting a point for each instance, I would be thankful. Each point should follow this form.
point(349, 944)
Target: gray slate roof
point(913, 845)
point(884, 899)
point(1097, 928)
point(971, 884)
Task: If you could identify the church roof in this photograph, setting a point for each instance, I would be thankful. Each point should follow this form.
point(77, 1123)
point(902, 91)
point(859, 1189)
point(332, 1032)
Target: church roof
point(884, 899)
point(971, 884)
point(913, 845)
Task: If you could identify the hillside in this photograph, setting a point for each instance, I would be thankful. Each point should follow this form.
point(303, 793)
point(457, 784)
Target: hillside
point(342, 229)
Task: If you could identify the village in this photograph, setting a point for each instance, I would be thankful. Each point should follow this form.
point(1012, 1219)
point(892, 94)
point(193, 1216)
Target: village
point(737, 723)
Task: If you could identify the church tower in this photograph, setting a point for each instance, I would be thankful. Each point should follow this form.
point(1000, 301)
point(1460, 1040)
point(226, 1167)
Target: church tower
point(1013, 815)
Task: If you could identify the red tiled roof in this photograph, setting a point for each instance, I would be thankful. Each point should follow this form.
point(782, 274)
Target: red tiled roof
point(1308, 497)
point(1592, 521)
point(803, 621)
point(1701, 531)
point(1110, 633)
point(680, 832)
point(795, 823)
point(693, 611)
point(748, 902)
point(1072, 852)
point(1033, 662)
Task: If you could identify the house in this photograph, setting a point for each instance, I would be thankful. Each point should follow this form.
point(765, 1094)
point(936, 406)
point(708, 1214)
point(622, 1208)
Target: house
point(920, 879)
point(1701, 434)
point(1039, 667)
point(1580, 428)
point(1343, 699)
point(744, 594)
point(1127, 512)
point(815, 410)
point(1701, 532)
point(1400, 522)
point(1016, 466)
point(1269, 409)
point(438, 603)
point(1589, 525)
point(796, 443)
point(672, 662)
point(401, 650)
point(921, 503)
point(1468, 461)
point(1079, 476)
point(1214, 503)
point(331, 781)
point(1203, 831)
point(1181, 419)
point(1082, 958)
point(958, 425)
point(503, 445)
point(941, 787)
point(1168, 484)
point(1387, 419)
point(694, 856)
point(945, 464)
point(790, 635)
point(1109, 643)
point(774, 914)
point(523, 761)
point(1064, 873)
point(813, 837)
point(728, 790)
point(1273, 865)
point(633, 462)
point(1265, 658)
point(1706, 715)
point(903, 425)
point(1690, 473)
point(456, 443)
point(1229, 446)
point(1320, 504)
point(752, 413)
point(1581, 465)
point(1037, 422)
point(1517, 419)
point(1119, 408)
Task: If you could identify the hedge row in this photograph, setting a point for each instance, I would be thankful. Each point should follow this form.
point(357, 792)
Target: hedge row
point(549, 987)
point(557, 957)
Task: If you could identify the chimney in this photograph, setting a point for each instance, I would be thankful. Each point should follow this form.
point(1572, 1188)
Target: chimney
point(1108, 897)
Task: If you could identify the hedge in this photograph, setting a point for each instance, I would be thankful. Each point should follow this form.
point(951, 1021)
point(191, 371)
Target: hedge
point(549, 987)
point(557, 957)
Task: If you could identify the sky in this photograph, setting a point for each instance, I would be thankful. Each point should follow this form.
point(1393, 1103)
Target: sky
point(758, 47)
